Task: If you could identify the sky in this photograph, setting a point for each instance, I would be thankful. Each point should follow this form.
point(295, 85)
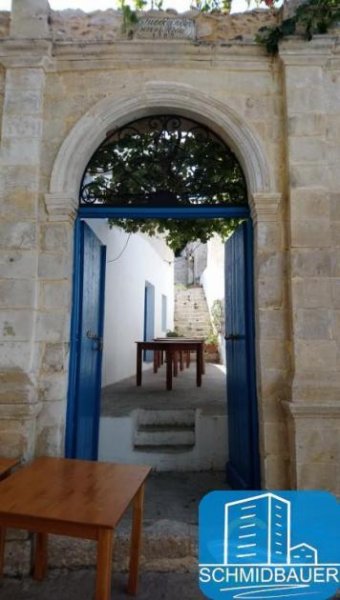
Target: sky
point(91, 5)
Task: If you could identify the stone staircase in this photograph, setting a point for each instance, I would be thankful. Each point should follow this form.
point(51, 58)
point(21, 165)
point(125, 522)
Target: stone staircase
point(164, 431)
point(192, 318)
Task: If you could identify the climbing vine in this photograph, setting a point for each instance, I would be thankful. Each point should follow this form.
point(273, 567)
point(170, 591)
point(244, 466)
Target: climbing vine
point(310, 18)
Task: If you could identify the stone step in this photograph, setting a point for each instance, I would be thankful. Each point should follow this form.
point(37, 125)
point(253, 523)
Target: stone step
point(165, 418)
point(164, 437)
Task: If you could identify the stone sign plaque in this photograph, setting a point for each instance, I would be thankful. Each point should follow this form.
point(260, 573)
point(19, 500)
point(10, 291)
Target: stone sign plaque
point(167, 28)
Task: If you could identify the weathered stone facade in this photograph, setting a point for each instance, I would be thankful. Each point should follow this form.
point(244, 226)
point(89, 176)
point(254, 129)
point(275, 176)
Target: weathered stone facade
point(68, 78)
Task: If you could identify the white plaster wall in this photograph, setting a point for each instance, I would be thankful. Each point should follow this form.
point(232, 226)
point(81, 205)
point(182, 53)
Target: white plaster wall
point(143, 259)
point(213, 281)
point(212, 277)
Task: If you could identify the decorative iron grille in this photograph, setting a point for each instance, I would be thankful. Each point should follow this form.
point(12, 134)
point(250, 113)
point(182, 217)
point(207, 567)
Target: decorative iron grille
point(163, 160)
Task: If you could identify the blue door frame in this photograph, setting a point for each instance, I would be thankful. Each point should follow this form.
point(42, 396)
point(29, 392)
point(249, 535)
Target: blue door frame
point(206, 212)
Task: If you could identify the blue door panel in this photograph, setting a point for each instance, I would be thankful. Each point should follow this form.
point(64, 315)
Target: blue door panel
point(242, 467)
point(90, 347)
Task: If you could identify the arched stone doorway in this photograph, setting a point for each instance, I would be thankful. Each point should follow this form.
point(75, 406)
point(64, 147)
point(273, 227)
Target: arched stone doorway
point(265, 203)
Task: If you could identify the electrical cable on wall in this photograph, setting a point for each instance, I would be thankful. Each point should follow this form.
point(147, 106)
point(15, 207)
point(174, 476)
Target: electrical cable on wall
point(122, 252)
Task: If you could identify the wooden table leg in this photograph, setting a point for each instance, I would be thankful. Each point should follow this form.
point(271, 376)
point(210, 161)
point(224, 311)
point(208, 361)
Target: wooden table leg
point(2, 550)
point(198, 367)
point(40, 556)
point(104, 564)
point(139, 365)
point(203, 361)
point(155, 361)
point(181, 362)
point(169, 370)
point(188, 358)
point(175, 360)
point(136, 539)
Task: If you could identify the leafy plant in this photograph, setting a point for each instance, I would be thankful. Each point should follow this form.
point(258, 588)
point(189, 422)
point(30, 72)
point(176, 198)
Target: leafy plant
point(311, 17)
point(212, 339)
point(178, 232)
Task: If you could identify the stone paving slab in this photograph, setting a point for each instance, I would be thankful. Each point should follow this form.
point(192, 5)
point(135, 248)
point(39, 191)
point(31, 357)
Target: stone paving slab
point(68, 585)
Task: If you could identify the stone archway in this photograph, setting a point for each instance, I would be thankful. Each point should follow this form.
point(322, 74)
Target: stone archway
point(265, 203)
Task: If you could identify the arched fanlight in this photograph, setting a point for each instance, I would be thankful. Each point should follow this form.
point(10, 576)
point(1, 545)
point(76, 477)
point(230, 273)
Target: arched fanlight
point(165, 160)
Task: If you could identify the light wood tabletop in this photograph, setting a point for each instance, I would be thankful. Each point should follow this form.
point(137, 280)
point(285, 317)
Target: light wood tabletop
point(77, 498)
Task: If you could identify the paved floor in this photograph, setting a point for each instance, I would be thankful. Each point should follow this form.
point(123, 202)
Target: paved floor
point(71, 585)
point(124, 396)
point(176, 496)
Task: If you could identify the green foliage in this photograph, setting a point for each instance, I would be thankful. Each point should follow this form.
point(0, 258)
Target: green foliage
point(311, 17)
point(208, 6)
point(164, 160)
point(178, 232)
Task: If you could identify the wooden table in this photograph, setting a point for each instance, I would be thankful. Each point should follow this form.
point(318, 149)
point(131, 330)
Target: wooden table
point(80, 499)
point(6, 466)
point(159, 355)
point(171, 348)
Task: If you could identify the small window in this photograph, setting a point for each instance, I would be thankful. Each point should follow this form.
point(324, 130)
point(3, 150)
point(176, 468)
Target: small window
point(164, 313)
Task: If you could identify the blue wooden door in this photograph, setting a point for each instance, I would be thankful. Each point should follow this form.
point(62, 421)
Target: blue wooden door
point(243, 457)
point(149, 318)
point(90, 335)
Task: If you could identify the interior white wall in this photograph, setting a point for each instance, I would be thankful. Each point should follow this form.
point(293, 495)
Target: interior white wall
point(212, 277)
point(143, 259)
point(213, 281)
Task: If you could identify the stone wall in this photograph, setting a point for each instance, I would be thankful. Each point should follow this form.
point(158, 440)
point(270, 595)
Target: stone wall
point(77, 79)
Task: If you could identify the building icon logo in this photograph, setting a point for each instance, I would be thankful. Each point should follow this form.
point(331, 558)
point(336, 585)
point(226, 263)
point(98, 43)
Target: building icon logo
point(266, 545)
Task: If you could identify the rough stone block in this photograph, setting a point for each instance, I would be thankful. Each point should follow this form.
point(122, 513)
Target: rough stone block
point(25, 79)
point(313, 323)
point(273, 324)
point(274, 354)
point(312, 292)
point(276, 470)
point(21, 151)
point(315, 355)
point(54, 358)
point(311, 233)
point(311, 174)
point(16, 325)
point(30, 19)
point(16, 234)
point(17, 438)
point(53, 387)
point(23, 102)
point(52, 327)
point(271, 292)
point(306, 149)
point(307, 124)
point(309, 203)
point(24, 127)
point(56, 237)
point(268, 236)
point(17, 293)
point(54, 266)
point(15, 355)
point(18, 264)
point(336, 292)
point(311, 262)
point(55, 294)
